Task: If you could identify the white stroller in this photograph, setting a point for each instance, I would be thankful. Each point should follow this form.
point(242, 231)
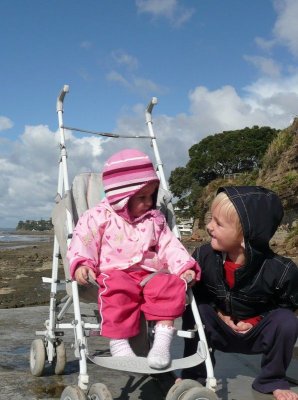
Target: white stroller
point(71, 202)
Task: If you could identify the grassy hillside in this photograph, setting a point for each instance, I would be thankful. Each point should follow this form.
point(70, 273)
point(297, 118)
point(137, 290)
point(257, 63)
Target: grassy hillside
point(279, 172)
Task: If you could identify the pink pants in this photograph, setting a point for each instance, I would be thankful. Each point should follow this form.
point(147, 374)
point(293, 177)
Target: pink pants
point(121, 300)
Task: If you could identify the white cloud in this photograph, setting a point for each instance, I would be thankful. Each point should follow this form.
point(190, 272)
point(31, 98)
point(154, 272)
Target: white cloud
point(266, 102)
point(84, 74)
point(145, 86)
point(267, 66)
point(213, 112)
point(29, 166)
point(86, 45)
point(29, 171)
point(124, 59)
point(5, 123)
point(142, 86)
point(277, 98)
point(117, 77)
point(284, 34)
point(169, 9)
point(264, 44)
point(137, 84)
point(286, 27)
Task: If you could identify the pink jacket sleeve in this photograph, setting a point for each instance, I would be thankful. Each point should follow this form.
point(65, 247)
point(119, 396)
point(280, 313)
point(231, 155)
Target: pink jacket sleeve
point(174, 255)
point(85, 245)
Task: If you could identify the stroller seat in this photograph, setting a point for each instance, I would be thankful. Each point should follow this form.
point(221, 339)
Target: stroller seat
point(86, 191)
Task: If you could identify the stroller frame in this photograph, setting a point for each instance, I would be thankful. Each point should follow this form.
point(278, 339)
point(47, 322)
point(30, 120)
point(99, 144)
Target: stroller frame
point(51, 348)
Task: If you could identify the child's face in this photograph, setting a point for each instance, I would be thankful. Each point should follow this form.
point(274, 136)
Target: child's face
point(223, 231)
point(142, 201)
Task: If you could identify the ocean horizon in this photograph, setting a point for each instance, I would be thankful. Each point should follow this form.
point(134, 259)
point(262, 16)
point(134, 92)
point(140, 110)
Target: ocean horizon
point(8, 235)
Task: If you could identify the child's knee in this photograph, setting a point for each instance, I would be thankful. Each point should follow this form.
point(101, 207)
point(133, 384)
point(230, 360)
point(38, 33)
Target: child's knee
point(285, 321)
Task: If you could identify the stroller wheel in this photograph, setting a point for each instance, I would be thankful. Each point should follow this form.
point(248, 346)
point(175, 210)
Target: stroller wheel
point(37, 357)
point(59, 361)
point(179, 389)
point(99, 391)
point(73, 393)
point(200, 393)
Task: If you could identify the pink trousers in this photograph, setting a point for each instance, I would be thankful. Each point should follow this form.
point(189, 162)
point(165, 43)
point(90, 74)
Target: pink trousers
point(121, 299)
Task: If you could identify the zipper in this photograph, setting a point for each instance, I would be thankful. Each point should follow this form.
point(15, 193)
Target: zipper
point(228, 303)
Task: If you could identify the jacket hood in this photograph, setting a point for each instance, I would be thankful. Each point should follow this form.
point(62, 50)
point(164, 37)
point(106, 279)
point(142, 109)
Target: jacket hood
point(124, 174)
point(260, 211)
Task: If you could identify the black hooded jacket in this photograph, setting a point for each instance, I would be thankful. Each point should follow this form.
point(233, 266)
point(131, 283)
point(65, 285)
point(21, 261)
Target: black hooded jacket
point(267, 281)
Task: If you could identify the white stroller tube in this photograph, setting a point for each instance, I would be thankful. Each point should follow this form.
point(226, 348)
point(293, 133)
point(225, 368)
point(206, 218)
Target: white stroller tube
point(63, 188)
point(83, 377)
point(210, 380)
point(163, 181)
point(149, 109)
point(60, 98)
point(63, 182)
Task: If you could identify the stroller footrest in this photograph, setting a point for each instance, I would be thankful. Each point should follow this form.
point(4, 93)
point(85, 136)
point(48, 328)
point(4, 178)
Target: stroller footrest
point(140, 364)
point(51, 280)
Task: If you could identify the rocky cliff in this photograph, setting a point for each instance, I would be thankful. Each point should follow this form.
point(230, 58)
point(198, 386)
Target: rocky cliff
point(280, 170)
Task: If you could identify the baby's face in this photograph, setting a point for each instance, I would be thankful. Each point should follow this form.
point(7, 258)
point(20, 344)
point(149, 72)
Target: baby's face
point(142, 201)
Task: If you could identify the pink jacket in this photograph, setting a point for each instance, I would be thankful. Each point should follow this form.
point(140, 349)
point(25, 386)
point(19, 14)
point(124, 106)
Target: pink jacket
point(103, 240)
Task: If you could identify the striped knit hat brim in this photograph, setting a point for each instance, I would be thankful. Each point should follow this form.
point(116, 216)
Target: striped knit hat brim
point(125, 173)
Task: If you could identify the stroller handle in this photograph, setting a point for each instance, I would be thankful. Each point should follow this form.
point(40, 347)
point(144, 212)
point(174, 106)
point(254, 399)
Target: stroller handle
point(149, 109)
point(61, 96)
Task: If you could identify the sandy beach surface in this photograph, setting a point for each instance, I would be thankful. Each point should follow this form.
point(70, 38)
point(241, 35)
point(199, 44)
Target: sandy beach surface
point(24, 306)
point(22, 266)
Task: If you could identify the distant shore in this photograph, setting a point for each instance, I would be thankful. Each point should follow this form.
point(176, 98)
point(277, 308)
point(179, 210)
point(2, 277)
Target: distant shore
point(26, 232)
point(12, 239)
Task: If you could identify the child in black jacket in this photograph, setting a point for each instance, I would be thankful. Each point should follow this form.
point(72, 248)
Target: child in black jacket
point(247, 294)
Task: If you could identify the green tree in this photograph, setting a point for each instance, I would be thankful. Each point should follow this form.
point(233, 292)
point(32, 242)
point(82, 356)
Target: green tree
point(213, 157)
point(32, 225)
point(228, 153)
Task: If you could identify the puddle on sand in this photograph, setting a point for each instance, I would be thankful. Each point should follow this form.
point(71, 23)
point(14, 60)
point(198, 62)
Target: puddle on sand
point(16, 358)
point(48, 391)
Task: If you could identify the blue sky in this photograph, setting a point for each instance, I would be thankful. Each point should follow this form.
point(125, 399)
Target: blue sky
point(213, 65)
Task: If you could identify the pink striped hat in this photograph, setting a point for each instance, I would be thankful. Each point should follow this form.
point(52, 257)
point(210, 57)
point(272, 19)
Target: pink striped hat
point(125, 173)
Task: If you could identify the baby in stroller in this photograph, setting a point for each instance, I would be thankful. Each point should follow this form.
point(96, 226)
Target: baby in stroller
point(126, 246)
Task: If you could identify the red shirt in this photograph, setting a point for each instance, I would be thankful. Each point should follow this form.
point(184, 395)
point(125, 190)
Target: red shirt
point(230, 268)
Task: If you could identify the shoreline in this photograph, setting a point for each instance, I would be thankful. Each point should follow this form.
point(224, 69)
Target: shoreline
point(22, 244)
point(24, 263)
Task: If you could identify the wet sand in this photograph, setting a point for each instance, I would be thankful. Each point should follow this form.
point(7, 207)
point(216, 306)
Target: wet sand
point(234, 372)
point(22, 266)
point(21, 270)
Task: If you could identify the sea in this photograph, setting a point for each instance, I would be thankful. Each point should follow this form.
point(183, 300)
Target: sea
point(9, 235)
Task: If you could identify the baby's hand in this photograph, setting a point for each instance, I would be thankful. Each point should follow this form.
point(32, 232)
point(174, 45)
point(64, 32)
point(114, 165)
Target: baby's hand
point(82, 275)
point(189, 276)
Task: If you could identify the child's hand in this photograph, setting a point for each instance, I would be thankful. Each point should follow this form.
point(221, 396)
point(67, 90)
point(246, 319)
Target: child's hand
point(227, 319)
point(239, 327)
point(189, 276)
point(243, 327)
point(82, 275)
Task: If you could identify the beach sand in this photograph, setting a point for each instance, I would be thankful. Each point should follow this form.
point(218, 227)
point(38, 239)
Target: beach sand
point(22, 267)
